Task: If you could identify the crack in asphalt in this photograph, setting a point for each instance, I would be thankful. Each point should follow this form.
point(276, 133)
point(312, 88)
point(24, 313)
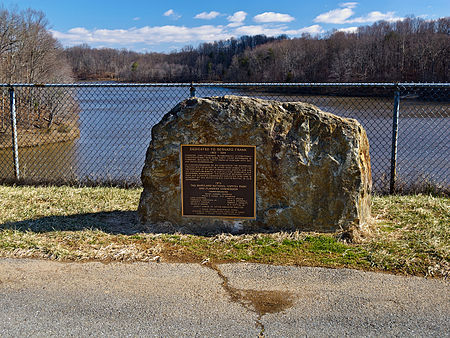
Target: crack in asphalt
point(260, 302)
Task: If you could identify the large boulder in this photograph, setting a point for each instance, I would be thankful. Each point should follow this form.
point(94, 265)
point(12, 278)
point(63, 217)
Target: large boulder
point(312, 167)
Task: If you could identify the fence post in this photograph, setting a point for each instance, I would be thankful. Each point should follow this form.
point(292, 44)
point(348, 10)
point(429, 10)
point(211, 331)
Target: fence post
point(192, 90)
point(395, 118)
point(15, 148)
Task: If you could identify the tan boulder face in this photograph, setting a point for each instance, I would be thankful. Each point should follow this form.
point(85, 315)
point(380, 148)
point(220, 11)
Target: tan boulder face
point(312, 167)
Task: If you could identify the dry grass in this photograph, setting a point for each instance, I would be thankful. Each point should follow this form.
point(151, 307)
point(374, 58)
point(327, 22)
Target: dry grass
point(409, 235)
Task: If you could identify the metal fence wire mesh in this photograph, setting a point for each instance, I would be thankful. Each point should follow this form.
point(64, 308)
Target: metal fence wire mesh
point(92, 134)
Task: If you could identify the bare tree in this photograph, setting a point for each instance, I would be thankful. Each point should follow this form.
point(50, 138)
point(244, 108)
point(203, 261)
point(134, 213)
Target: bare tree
point(28, 51)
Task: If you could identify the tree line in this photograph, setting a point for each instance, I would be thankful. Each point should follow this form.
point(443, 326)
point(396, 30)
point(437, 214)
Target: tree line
point(208, 61)
point(410, 50)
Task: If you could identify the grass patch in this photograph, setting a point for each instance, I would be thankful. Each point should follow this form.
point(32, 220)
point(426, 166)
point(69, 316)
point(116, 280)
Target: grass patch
point(408, 235)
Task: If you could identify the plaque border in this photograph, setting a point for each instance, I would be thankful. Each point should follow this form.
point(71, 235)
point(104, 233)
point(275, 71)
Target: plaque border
point(217, 145)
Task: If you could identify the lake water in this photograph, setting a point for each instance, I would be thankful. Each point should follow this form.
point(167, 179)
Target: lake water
point(115, 131)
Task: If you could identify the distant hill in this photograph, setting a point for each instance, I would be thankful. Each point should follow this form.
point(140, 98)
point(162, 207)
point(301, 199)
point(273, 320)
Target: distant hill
point(410, 50)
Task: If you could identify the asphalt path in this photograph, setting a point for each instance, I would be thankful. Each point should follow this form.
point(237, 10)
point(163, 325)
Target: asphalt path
point(45, 298)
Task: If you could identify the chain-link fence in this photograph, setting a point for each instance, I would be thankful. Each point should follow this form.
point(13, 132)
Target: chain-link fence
point(98, 133)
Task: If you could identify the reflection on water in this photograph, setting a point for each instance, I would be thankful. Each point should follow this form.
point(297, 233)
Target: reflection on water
point(50, 162)
point(115, 131)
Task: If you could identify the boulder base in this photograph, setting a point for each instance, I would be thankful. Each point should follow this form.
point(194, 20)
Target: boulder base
point(312, 167)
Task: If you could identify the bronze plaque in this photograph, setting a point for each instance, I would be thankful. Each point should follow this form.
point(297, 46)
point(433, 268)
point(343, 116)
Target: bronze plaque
point(218, 181)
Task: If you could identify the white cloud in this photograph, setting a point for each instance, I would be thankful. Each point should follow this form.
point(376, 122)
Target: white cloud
point(147, 35)
point(344, 15)
point(348, 4)
point(348, 30)
point(335, 16)
point(313, 30)
point(275, 31)
point(136, 18)
point(375, 16)
point(273, 17)
point(171, 14)
point(207, 16)
point(78, 30)
point(258, 29)
point(152, 37)
point(237, 19)
point(173, 34)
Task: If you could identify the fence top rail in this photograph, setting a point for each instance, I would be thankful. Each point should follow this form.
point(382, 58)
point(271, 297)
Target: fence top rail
point(225, 84)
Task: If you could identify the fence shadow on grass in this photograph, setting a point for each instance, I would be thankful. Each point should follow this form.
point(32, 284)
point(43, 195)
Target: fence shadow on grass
point(113, 222)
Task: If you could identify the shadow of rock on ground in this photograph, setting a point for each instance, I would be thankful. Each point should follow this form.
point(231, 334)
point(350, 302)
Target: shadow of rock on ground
point(117, 223)
point(113, 222)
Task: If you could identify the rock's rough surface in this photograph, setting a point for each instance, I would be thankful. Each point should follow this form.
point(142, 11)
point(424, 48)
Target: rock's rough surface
point(313, 168)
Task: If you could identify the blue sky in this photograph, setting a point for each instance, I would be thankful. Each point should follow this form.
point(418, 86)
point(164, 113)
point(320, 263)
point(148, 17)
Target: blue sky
point(165, 25)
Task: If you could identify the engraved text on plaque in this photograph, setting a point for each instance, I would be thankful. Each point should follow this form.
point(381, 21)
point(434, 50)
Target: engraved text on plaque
point(218, 181)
